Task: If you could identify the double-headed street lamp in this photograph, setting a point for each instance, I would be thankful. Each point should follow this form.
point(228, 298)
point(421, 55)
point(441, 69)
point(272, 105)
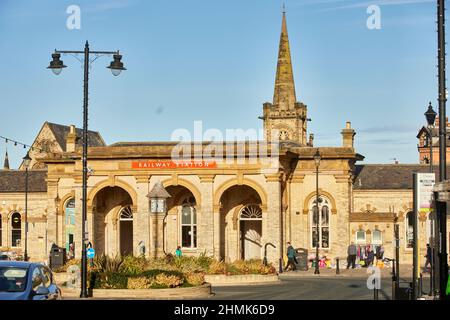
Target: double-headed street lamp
point(430, 115)
point(26, 164)
point(116, 66)
point(317, 158)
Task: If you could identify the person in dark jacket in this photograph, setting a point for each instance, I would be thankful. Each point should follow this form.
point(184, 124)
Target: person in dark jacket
point(351, 255)
point(428, 256)
point(291, 257)
point(370, 257)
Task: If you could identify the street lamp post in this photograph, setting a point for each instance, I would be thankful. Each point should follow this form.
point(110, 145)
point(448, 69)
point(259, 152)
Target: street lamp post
point(26, 163)
point(430, 115)
point(116, 66)
point(441, 207)
point(317, 158)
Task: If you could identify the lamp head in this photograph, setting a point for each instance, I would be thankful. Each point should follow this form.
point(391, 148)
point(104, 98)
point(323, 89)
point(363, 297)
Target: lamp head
point(317, 157)
point(430, 115)
point(116, 65)
point(56, 65)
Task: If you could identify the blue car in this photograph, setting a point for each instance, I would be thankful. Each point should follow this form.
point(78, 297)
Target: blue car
point(27, 281)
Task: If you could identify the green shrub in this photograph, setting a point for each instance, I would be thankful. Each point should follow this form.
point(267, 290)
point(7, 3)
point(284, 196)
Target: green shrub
point(165, 280)
point(217, 267)
point(139, 283)
point(133, 265)
point(113, 281)
point(106, 264)
point(195, 278)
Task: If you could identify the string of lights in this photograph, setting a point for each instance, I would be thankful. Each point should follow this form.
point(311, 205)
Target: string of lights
point(16, 143)
point(32, 149)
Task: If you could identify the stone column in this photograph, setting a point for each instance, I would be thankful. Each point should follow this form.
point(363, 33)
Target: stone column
point(272, 219)
point(156, 232)
point(52, 214)
point(206, 231)
point(78, 217)
point(141, 225)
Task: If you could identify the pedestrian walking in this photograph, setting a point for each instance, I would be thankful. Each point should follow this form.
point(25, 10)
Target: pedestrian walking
point(351, 255)
point(428, 257)
point(291, 257)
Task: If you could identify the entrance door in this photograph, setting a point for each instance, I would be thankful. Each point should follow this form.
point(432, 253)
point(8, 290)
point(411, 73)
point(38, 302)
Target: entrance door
point(251, 233)
point(126, 238)
point(126, 231)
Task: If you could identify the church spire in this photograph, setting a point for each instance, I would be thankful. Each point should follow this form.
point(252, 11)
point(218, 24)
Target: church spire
point(6, 163)
point(284, 96)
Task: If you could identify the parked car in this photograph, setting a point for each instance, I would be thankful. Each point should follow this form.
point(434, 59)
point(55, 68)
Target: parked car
point(27, 281)
point(4, 257)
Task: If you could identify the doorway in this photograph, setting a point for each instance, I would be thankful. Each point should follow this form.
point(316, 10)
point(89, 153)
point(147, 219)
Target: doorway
point(126, 231)
point(251, 231)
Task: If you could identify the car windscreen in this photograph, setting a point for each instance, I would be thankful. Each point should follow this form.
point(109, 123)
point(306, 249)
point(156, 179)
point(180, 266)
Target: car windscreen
point(13, 279)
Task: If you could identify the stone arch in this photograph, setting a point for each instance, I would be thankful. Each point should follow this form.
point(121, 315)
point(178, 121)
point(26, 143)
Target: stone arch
point(230, 183)
point(321, 192)
point(405, 209)
point(107, 183)
point(11, 212)
point(188, 185)
point(63, 201)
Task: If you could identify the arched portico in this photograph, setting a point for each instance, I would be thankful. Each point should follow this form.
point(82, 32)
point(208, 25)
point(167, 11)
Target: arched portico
point(241, 223)
point(112, 210)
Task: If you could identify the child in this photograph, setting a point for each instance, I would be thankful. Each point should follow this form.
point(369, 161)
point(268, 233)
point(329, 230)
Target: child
point(178, 252)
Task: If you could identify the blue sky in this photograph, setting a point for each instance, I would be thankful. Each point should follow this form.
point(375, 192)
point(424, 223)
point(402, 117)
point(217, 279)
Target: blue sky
point(215, 61)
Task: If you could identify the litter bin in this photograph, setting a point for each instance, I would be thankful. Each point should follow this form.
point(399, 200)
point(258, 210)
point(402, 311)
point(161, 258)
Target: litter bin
point(302, 259)
point(404, 291)
point(57, 257)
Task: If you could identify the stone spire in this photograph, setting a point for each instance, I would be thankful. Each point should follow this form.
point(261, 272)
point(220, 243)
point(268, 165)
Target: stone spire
point(284, 96)
point(6, 164)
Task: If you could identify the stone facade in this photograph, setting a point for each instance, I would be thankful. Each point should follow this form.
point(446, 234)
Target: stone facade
point(240, 207)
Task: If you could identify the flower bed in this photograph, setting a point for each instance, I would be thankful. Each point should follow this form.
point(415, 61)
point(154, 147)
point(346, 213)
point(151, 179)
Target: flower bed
point(170, 272)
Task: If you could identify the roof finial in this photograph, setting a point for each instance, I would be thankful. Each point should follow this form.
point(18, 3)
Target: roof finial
point(284, 7)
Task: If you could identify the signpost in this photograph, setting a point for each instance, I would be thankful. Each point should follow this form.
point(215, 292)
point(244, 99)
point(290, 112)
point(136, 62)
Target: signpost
point(423, 205)
point(90, 253)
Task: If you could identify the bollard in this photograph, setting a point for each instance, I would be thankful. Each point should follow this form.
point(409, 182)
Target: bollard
point(393, 288)
point(420, 293)
point(281, 266)
point(375, 290)
point(337, 266)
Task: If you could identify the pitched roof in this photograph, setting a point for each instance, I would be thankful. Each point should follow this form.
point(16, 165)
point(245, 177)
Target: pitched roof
point(14, 181)
point(387, 176)
point(61, 131)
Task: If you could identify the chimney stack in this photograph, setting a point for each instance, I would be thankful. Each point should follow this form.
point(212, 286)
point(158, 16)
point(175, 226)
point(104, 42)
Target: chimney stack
point(71, 139)
point(348, 135)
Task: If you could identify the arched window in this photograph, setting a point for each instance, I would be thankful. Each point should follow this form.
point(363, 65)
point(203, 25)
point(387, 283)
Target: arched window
point(409, 230)
point(323, 221)
point(251, 212)
point(69, 214)
point(361, 237)
point(16, 229)
point(126, 214)
point(188, 223)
